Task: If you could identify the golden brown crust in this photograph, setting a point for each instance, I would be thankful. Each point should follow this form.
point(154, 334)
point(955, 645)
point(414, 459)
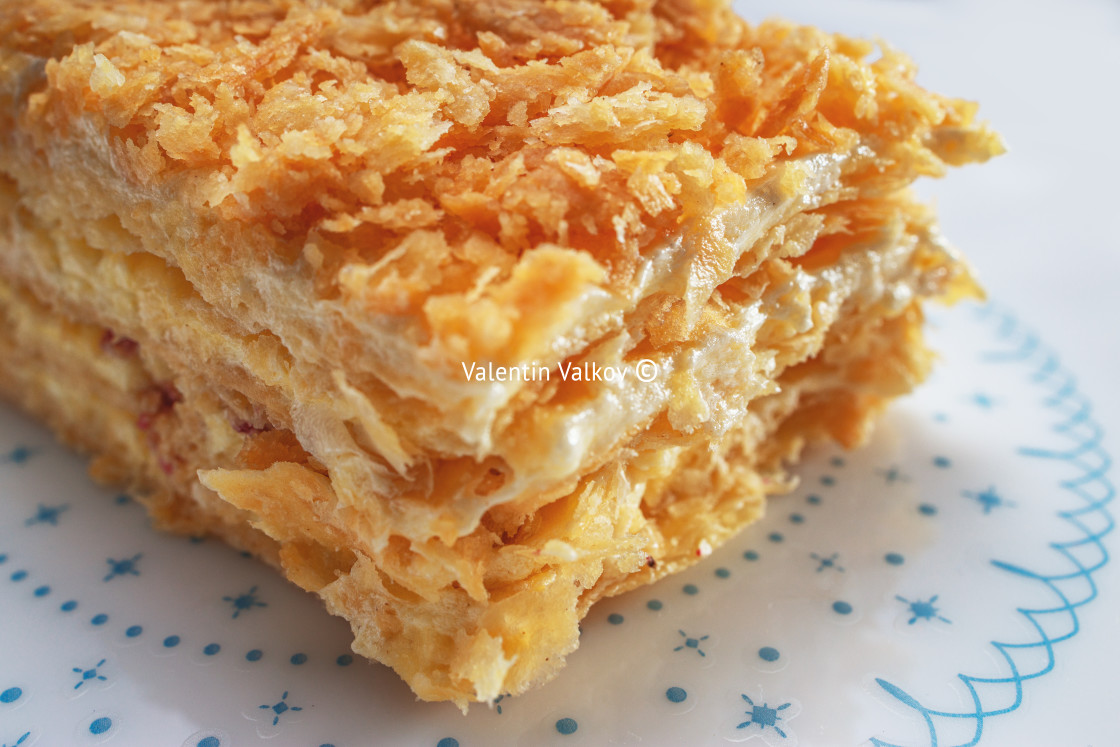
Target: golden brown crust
point(295, 224)
point(349, 126)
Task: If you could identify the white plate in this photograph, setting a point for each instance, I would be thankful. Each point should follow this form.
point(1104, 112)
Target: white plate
point(917, 592)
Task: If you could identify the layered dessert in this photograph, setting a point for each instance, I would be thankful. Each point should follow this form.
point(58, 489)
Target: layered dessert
point(464, 315)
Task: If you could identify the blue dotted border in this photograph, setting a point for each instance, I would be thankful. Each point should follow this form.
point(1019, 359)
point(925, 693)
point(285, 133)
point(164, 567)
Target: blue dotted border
point(1095, 491)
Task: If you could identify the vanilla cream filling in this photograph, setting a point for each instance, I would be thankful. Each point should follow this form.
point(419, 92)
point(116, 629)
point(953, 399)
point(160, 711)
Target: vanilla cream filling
point(702, 385)
point(594, 314)
point(705, 387)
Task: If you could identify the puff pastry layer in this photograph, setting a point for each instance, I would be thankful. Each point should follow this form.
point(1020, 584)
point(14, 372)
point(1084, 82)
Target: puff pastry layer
point(257, 256)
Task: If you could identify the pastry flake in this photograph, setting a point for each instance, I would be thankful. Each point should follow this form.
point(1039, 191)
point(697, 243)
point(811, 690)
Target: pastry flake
point(256, 258)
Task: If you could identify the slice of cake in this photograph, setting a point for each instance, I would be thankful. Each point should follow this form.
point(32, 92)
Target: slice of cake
point(462, 314)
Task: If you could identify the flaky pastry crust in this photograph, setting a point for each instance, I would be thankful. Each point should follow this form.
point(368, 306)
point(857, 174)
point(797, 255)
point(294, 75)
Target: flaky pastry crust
point(271, 236)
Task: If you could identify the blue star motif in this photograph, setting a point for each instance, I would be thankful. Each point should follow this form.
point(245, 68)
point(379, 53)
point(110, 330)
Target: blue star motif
point(989, 499)
point(46, 515)
point(280, 708)
point(923, 610)
point(244, 602)
point(89, 674)
point(763, 716)
point(693, 643)
point(892, 475)
point(829, 562)
point(126, 567)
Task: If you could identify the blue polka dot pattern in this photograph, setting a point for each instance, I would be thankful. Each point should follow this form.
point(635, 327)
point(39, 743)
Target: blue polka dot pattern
point(686, 609)
point(768, 653)
point(676, 694)
point(567, 726)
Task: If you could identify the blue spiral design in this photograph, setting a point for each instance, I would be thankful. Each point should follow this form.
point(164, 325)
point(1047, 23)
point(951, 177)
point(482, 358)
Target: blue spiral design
point(1085, 555)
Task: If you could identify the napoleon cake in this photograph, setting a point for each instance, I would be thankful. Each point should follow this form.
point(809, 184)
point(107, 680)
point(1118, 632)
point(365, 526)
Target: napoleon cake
point(464, 314)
